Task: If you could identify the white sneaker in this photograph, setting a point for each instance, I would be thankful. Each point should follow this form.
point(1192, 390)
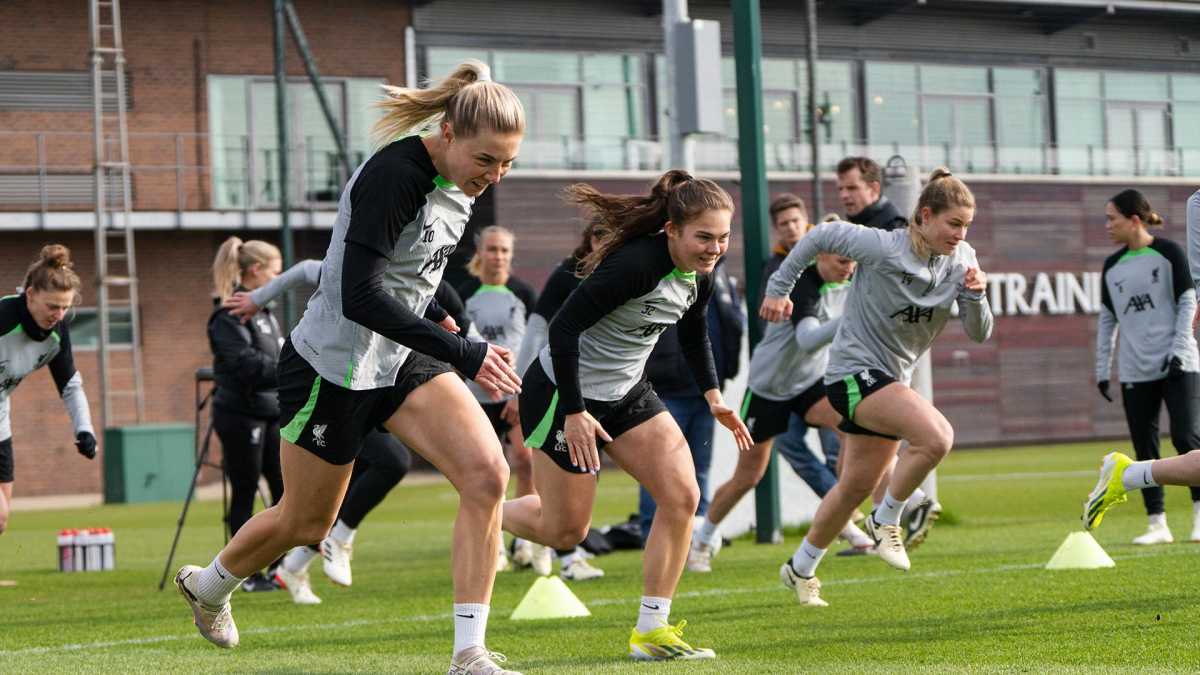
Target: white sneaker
point(855, 537)
point(337, 560)
point(580, 570)
point(502, 562)
point(215, 623)
point(542, 561)
point(478, 661)
point(522, 553)
point(1195, 530)
point(298, 585)
point(1156, 533)
point(808, 591)
point(889, 543)
point(700, 557)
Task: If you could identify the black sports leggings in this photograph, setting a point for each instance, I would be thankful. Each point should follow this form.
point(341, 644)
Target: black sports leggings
point(382, 463)
point(250, 446)
point(1143, 402)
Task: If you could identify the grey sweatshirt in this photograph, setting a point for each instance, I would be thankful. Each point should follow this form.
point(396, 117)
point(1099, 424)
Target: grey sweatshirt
point(898, 302)
point(1148, 294)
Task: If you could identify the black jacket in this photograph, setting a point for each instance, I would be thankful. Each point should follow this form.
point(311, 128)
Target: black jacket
point(883, 214)
point(667, 370)
point(245, 356)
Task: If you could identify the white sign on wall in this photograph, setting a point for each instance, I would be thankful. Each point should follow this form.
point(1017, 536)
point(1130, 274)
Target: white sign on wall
point(1013, 293)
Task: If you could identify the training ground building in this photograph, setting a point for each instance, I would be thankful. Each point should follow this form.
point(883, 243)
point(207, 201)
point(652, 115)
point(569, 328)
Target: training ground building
point(1046, 108)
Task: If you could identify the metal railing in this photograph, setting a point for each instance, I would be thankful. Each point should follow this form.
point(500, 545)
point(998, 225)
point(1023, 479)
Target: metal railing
point(47, 171)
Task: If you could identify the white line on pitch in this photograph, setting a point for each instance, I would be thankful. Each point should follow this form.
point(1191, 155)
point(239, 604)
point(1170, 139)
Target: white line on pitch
point(601, 602)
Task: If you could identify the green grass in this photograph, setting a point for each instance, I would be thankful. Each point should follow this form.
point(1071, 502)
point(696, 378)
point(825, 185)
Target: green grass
point(976, 599)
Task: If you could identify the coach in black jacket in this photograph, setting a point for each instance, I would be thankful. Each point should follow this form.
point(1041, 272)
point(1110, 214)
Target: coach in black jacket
point(860, 191)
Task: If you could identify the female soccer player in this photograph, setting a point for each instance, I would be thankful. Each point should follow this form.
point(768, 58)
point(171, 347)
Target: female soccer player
point(1149, 301)
point(362, 355)
point(906, 284)
point(33, 334)
point(245, 411)
point(786, 372)
point(587, 389)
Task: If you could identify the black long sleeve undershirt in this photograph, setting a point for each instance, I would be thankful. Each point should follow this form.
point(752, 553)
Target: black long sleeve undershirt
point(365, 302)
point(693, 338)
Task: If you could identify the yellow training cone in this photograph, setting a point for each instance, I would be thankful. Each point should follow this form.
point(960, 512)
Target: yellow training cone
point(1079, 551)
point(549, 598)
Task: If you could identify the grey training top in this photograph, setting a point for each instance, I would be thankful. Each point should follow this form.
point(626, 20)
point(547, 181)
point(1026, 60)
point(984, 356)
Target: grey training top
point(792, 356)
point(416, 221)
point(1193, 236)
point(898, 302)
point(1148, 293)
point(498, 315)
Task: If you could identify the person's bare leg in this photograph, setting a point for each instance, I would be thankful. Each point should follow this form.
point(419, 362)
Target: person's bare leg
point(5, 504)
point(751, 465)
point(520, 462)
point(559, 511)
point(313, 491)
point(865, 460)
point(899, 411)
point(443, 422)
point(656, 454)
point(1180, 470)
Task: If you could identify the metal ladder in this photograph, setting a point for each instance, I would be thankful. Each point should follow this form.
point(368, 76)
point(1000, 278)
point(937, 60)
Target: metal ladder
point(116, 270)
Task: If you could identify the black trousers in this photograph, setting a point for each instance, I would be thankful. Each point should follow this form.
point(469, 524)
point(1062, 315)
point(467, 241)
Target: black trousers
point(1143, 401)
point(250, 446)
point(381, 465)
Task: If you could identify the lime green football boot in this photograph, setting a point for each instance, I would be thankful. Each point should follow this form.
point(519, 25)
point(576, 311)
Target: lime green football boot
point(665, 643)
point(1109, 490)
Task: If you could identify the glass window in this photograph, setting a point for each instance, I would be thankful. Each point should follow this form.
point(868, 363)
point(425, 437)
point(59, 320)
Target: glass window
point(892, 118)
point(954, 80)
point(1080, 123)
point(612, 69)
point(891, 77)
point(1187, 121)
point(778, 73)
point(1017, 81)
point(1185, 88)
point(514, 66)
point(1135, 86)
point(1076, 83)
point(440, 61)
point(85, 328)
point(779, 116)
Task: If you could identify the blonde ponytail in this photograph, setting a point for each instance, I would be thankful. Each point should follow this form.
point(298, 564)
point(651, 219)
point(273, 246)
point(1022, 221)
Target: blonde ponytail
point(467, 98)
point(233, 258)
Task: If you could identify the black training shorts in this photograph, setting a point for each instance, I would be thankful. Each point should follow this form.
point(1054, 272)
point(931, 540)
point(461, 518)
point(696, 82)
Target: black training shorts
point(542, 418)
point(331, 421)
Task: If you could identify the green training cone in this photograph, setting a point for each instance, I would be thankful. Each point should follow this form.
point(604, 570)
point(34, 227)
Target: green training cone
point(1079, 551)
point(549, 598)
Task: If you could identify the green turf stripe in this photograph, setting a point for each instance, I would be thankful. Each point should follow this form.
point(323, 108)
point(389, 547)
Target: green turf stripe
point(538, 437)
point(853, 395)
point(292, 431)
point(746, 404)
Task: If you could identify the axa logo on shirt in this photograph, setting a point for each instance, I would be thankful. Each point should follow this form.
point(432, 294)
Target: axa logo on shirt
point(1139, 303)
point(437, 259)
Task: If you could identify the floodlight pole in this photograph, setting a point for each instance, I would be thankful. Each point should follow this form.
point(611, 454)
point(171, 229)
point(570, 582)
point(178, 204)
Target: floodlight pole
point(818, 202)
point(682, 148)
point(747, 41)
point(281, 123)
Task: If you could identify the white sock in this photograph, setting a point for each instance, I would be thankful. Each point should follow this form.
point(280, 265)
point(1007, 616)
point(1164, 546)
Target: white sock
point(470, 625)
point(917, 497)
point(1158, 519)
point(856, 537)
point(708, 530)
point(653, 613)
point(569, 558)
point(342, 533)
point(889, 510)
point(806, 558)
point(1137, 476)
point(1196, 509)
point(215, 584)
point(297, 560)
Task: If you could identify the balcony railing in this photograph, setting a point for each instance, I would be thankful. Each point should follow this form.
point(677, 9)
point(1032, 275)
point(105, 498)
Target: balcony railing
point(51, 171)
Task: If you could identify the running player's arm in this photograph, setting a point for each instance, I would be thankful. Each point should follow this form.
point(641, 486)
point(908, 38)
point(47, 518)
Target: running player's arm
point(693, 338)
point(70, 383)
point(625, 274)
point(554, 294)
point(1185, 303)
point(974, 311)
point(1193, 236)
point(447, 302)
point(304, 272)
point(1106, 327)
point(810, 333)
point(382, 202)
point(863, 244)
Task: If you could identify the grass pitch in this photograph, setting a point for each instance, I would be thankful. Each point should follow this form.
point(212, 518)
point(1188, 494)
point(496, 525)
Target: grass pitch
point(976, 600)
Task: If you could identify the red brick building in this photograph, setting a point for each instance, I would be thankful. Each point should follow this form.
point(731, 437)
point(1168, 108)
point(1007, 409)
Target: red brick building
point(1046, 112)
